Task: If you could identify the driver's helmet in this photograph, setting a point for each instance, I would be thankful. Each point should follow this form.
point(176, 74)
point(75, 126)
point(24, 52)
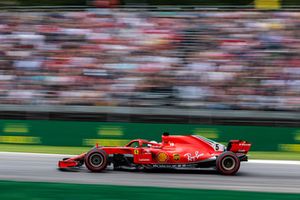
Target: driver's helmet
point(149, 145)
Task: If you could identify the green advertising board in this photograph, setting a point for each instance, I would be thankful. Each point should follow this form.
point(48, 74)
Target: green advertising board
point(77, 133)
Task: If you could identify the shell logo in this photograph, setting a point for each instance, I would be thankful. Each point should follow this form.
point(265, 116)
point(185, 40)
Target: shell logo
point(162, 157)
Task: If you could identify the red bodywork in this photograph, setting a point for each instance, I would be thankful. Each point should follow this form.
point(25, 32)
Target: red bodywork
point(173, 150)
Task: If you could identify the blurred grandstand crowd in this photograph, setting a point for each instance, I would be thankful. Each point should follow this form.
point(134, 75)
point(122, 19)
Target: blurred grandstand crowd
point(210, 60)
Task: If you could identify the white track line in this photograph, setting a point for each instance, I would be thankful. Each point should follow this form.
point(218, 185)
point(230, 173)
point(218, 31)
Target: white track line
point(281, 162)
point(33, 154)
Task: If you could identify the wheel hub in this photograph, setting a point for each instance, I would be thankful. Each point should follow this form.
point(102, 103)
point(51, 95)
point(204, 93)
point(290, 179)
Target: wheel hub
point(96, 160)
point(228, 163)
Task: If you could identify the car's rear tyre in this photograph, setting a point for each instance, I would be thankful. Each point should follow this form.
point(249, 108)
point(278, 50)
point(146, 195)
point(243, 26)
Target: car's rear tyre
point(228, 163)
point(96, 160)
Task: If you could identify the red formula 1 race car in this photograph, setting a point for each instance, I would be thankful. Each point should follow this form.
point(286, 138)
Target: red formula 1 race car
point(174, 151)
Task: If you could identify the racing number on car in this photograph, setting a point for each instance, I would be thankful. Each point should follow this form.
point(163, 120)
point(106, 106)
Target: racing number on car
point(217, 147)
point(136, 151)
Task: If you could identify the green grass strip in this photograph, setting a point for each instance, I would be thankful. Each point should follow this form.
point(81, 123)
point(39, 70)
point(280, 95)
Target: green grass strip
point(264, 155)
point(46, 191)
point(43, 149)
point(78, 150)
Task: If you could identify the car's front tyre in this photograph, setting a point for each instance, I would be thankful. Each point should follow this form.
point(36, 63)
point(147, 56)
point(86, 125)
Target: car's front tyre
point(96, 160)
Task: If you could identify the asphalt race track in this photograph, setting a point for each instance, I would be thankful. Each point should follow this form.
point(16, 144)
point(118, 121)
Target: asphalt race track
point(271, 177)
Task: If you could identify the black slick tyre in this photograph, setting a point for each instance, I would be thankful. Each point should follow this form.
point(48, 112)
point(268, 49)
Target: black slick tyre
point(228, 163)
point(96, 160)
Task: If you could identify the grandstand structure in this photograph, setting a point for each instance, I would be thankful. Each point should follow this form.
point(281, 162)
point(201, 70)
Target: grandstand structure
point(167, 62)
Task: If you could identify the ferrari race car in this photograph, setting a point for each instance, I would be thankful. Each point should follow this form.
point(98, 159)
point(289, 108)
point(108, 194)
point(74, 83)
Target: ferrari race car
point(175, 151)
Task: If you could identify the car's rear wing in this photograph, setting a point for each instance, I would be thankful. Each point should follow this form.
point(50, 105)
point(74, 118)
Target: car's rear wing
point(238, 146)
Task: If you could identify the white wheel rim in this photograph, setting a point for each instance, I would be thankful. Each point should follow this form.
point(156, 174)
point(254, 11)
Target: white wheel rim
point(228, 163)
point(96, 160)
